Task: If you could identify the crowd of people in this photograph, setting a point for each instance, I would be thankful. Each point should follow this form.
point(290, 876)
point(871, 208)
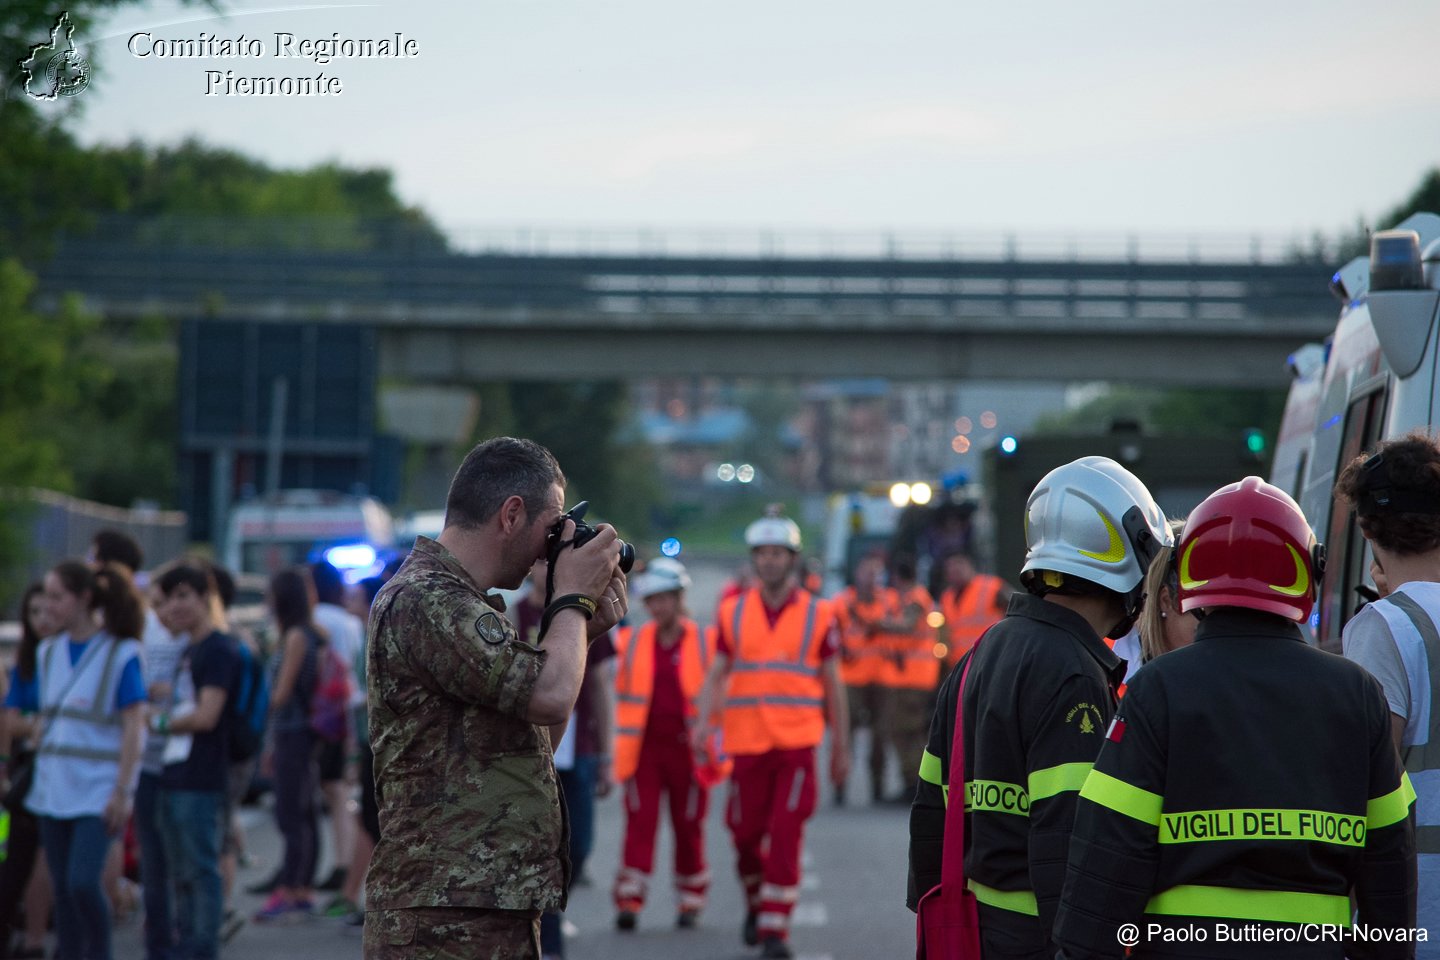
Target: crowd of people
point(138, 715)
point(1141, 736)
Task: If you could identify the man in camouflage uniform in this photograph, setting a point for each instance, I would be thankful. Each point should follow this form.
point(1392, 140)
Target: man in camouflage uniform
point(463, 714)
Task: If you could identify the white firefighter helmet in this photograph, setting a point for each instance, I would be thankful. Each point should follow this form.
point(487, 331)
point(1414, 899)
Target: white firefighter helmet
point(773, 530)
point(1094, 520)
point(662, 575)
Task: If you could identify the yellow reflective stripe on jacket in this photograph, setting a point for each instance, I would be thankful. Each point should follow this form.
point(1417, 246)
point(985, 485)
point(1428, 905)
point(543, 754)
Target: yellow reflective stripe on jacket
point(1231, 903)
point(1391, 808)
point(931, 772)
point(1123, 797)
point(1059, 779)
point(997, 796)
point(1016, 901)
point(1198, 826)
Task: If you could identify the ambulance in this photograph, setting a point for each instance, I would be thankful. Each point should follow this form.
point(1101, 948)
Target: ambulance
point(292, 527)
point(1374, 379)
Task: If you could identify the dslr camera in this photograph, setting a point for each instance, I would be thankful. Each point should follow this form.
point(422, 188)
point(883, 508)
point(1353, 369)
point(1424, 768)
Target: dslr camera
point(584, 533)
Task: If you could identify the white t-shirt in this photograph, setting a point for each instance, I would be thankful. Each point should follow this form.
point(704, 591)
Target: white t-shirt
point(347, 634)
point(1383, 640)
point(162, 657)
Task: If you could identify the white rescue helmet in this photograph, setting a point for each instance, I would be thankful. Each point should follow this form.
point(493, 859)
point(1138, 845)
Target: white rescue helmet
point(1094, 520)
point(773, 530)
point(662, 575)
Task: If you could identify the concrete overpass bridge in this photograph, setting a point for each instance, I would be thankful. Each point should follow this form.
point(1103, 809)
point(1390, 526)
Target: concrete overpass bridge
point(935, 314)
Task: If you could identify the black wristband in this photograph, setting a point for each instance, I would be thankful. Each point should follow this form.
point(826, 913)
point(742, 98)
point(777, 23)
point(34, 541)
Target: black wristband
point(577, 601)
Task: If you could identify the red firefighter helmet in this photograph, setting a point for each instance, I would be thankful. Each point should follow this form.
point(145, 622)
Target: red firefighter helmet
point(1248, 545)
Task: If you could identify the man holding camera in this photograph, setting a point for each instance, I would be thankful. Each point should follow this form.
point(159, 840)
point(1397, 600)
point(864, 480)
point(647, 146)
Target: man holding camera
point(463, 713)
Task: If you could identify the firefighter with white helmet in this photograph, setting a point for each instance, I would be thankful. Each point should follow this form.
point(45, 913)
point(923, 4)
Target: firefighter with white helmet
point(662, 667)
point(773, 686)
point(1040, 690)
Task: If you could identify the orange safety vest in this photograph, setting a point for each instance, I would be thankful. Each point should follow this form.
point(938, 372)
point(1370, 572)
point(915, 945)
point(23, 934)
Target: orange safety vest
point(968, 614)
point(775, 699)
point(635, 684)
point(912, 664)
point(865, 657)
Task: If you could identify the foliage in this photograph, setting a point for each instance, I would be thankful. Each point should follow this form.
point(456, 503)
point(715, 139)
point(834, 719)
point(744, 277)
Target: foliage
point(1182, 411)
point(40, 390)
point(580, 422)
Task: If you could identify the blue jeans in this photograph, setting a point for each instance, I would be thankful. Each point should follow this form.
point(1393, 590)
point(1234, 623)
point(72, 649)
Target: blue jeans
point(190, 822)
point(154, 874)
point(75, 850)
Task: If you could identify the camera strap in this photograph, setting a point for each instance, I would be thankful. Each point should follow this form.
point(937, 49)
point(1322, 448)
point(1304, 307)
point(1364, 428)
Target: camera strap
point(550, 569)
point(578, 601)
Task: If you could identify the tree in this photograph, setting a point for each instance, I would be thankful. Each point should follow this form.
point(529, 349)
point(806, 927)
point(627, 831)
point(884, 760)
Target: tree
point(39, 391)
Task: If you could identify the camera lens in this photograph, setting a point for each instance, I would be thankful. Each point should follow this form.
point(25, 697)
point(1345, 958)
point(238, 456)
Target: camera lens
point(627, 557)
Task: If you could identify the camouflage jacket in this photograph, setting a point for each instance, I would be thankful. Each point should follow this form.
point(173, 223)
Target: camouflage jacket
point(470, 812)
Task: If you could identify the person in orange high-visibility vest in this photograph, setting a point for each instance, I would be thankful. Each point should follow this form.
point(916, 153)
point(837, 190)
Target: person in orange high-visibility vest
point(776, 682)
point(662, 666)
point(970, 603)
point(865, 663)
point(911, 672)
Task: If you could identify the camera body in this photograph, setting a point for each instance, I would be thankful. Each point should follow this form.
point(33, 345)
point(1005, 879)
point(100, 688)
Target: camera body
point(584, 533)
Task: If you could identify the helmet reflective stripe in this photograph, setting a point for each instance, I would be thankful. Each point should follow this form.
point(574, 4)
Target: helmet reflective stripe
point(1185, 579)
point(1301, 586)
point(1116, 552)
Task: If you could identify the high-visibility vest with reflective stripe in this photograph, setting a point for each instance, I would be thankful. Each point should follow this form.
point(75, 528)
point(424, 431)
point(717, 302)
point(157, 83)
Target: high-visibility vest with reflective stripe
point(969, 613)
point(77, 759)
point(635, 684)
point(864, 655)
point(775, 698)
point(912, 664)
point(1422, 760)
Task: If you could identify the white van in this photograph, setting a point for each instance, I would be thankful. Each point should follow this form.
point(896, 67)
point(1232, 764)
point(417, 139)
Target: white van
point(1376, 379)
point(292, 527)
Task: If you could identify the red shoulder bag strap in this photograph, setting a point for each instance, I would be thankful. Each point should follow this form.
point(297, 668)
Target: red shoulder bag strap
point(952, 857)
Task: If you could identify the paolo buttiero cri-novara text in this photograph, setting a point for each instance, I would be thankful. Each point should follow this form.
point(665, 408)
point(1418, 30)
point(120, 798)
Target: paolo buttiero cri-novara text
point(321, 50)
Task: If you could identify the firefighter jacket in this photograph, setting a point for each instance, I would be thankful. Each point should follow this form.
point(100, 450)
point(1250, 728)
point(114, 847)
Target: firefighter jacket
point(1037, 701)
point(635, 682)
point(1248, 783)
point(968, 613)
point(775, 695)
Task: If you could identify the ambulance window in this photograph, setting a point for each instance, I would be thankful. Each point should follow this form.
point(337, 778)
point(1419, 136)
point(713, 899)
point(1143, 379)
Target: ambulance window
point(1347, 554)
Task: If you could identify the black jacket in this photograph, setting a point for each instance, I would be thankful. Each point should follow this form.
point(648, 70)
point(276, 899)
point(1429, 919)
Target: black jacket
point(1249, 777)
point(1038, 699)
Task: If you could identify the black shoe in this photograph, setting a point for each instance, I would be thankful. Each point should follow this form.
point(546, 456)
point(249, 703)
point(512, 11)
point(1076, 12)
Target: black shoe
point(626, 920)
point(750, 933)
point(688, 919)
point(774, 948)
point(230, 925)
point(840, 796)
point(265, 887)
point(336, 881)
point(356, 919)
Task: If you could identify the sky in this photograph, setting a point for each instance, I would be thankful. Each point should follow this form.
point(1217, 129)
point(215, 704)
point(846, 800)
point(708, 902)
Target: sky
point(913, 116)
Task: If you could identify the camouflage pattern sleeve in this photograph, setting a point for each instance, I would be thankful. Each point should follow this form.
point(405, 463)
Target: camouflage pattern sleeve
point(460, 646)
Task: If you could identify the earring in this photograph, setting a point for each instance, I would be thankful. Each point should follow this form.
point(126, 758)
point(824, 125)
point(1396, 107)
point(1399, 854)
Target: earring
point(1163, 615)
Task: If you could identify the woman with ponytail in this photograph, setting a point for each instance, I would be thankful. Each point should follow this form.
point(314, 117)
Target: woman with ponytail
point(91, 701)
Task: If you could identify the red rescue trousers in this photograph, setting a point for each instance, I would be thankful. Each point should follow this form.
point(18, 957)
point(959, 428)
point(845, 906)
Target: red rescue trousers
point(771, 796)
point(667, 768)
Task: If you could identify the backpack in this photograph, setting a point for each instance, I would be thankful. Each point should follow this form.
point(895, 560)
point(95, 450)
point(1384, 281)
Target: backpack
point(330, 702)
point(249, 707)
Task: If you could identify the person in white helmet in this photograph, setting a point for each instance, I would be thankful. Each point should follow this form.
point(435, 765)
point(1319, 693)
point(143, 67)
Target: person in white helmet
point(1040, 692)
point(662, 666)
point(776, 682)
